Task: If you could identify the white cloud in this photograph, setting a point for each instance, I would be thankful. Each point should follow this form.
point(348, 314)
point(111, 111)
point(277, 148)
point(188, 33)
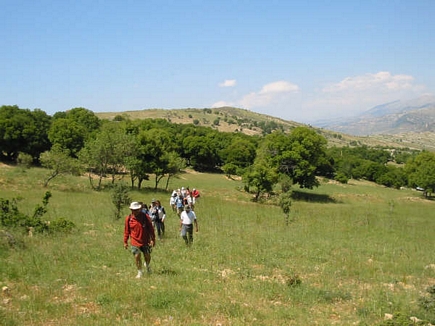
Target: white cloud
point(279, 87)
point(228, 83)
point(269, 94)
point(220, 104)
point(381, 81)
point(356, 94)
point(350, 96)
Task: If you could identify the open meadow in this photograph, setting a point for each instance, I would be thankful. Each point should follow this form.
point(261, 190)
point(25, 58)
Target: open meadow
point(349, 255)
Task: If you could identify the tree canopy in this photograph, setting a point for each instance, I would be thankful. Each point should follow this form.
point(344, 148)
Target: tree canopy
point(158, 148)
point(22, 130)
point(297, 155)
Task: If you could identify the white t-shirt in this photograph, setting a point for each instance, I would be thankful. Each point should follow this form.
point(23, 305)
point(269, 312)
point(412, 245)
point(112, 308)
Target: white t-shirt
point(187, 218)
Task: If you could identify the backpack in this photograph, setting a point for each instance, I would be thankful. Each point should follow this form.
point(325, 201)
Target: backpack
point(142, 222)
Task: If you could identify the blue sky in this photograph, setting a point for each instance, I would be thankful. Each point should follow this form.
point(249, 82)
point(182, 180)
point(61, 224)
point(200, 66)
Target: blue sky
point(297, 60)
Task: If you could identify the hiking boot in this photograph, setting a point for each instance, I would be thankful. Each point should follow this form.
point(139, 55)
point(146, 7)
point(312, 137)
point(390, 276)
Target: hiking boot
point(139, 274)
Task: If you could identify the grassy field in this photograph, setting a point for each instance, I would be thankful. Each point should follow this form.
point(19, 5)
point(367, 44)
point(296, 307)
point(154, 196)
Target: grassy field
point(350, 254)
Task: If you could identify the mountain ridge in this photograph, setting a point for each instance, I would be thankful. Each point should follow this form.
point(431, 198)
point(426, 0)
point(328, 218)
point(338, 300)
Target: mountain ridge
point(393, 118)
point(233, 119)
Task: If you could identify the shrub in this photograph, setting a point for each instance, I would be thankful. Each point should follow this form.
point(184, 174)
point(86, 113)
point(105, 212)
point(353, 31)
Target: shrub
point(61, 225)
point(341, 177)
point(120, 197)
point(11, 217)
point(428, 302)
point(24, 160)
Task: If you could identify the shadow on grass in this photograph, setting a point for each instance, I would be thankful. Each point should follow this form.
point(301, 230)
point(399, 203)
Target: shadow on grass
point(317, 198)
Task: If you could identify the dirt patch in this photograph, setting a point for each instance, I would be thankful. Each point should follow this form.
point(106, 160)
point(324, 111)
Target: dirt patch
point(416, 199)
point(2, 165)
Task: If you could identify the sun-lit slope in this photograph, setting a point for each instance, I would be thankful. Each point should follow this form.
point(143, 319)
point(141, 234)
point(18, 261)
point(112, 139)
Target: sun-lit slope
point(230, 119)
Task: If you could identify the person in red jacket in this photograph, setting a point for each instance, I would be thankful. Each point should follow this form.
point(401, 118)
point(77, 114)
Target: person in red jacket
point(139, 228)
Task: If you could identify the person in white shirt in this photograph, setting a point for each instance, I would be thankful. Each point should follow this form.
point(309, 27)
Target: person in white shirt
point(187, 221)
point(172, 201)
point(188, 201)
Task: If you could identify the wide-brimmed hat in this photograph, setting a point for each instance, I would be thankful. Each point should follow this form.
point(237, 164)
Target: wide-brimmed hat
point(135, 205)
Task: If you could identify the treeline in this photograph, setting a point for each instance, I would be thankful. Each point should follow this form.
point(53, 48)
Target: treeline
point(77, 141)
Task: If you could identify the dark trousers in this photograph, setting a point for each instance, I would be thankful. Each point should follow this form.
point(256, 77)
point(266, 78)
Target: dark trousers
point(160, 226)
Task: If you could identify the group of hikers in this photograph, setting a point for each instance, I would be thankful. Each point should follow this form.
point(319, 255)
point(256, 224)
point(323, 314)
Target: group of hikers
point(141, 223)
point(182, 197)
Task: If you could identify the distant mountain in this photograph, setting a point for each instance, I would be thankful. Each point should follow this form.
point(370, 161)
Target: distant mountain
point(417, 115)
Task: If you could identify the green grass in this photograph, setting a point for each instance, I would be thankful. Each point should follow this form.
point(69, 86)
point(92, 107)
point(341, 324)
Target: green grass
point(350, 254)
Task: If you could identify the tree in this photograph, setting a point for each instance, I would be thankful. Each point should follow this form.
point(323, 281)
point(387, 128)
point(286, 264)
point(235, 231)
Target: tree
point(240, 153)
point(106, 154)
point(59, 162)
point(421, 172)
point(85, 118)
point(68, 134)
point(120, 198)
point(22, 130)
point(395, 177)
point(174, 167)
point(229, 169)
point(261, 176)
point(155, 146)
point(38, 141)
point(298, 155)
point(369, 170)
point(200, 146)
point(71, 129)
point(200, 152)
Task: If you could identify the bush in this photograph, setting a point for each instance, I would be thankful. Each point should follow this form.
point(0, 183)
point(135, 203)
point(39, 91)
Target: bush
point(10, 240)
point(11, 218)
point(61, 225)
point(428, 302)
point(341, 177)
point(24, 160)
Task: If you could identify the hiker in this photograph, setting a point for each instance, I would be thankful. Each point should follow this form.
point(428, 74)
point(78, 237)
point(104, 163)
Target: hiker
point(187, 220)
point(188, 201)
point(179, 202)
point(172, 201)
point(153, 211)
point(159, 220)
point(195, 195)
point(140, 230)
point(144, 208)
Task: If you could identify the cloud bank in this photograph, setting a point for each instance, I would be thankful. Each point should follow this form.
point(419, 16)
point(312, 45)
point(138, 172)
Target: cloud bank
point(266, 96)
point(350, 96)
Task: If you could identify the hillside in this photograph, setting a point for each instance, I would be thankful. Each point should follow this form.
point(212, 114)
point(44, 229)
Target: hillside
point(410, 120)
point(232, 119)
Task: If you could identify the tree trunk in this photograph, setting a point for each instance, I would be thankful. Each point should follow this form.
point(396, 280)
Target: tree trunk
point(53, 175)
point(167, 182)
point(91, 181)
